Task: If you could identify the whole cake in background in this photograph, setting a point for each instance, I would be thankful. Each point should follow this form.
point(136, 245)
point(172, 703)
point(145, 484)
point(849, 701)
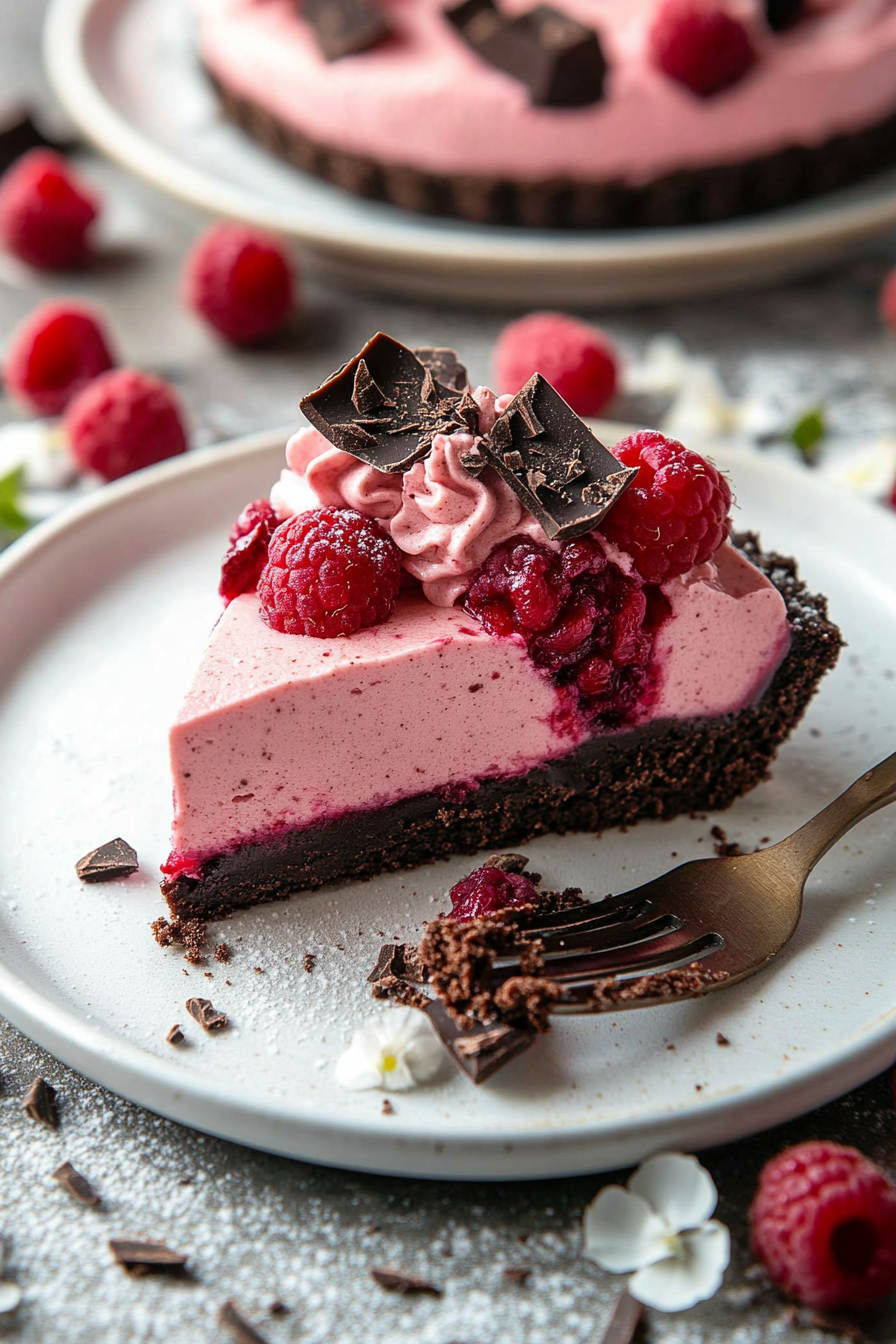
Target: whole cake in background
point(590, 114)
point(460, 621)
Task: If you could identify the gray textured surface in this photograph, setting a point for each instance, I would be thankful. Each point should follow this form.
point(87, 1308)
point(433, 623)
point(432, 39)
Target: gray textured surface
point(256, 1227)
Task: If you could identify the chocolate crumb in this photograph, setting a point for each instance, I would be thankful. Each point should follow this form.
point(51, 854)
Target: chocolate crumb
point(278, 1308)
point(175, 1035)
point(237, 1325)
point(40, 1103)
point(308, 961)
point(388, 1108)
point(209, 976)
point(517, 1273)
point(721, 1039)
point(76, 1185)
point(221, 952)
point(146, 1257)
point(106, 863)
point(722, 846)
point(258, 970)
point(395, 1282)
point(187, 933)
point(508, 863)
point(206, 1015)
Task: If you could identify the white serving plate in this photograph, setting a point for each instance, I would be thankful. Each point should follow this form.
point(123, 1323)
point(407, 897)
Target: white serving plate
point(128, 73)
point(104, 611)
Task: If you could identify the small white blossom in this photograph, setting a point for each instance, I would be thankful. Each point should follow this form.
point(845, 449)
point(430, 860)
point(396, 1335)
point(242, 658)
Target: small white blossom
point(10, 1293)
point(661, 1228)
point(396, 1051)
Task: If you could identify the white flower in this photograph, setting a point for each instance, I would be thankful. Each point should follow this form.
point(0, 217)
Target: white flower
point(661, 1227)
point(10, 1293)
point(397, 1051)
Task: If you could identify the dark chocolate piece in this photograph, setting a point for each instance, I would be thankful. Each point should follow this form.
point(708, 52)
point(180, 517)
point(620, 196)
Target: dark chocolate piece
point(444, 366)
point(76, 1185)
point(553, 462)
point(237, 1326)
point(508, 863)
point(559, 60)
point(175, 1035)
point(345, 27)
point(624, 1322)
point(782, 14)
point(206, 1015)
point(721, 1039)
point(145, 1257)
point(20, 133)
point(108, 862)
point(482, 1050)
point(278, 1308)
point(40, 1103)
point(517, 1273)
point(385, 406)
point(395, 1282)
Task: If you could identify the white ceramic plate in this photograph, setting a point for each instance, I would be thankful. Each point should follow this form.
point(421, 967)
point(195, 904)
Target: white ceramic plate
point(127, 71)
point(104, 611)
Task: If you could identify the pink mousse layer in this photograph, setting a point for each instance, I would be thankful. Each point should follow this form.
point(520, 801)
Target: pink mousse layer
point(426, 100)
point(282, 731)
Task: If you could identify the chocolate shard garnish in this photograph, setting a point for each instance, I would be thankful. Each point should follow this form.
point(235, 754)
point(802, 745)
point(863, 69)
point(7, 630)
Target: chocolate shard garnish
point(393, 433)
point(108, 862)
point(40, 1103)
point(345, 27)
point(782, 14)
point(557, 468)
point(624, 1322)
point(444, 366)
point(394, 1281)
point(559, 60)
point(473, 462)
point(76, 1185)
point(399, 961)
point(508, 863)
point(145, 1257)
point(206, 1014)
point(175, 1035)
point(481, 1051)
point(237, 1326)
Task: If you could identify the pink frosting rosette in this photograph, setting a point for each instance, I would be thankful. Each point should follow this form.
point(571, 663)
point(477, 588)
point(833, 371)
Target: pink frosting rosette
point(321, 476)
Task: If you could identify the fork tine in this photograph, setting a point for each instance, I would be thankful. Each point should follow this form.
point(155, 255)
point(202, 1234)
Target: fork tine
point(611, 907)
point(607, 937)
point(578, 996)
point(657, 954)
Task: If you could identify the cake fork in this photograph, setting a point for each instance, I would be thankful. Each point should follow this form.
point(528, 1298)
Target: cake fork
point(701, 927)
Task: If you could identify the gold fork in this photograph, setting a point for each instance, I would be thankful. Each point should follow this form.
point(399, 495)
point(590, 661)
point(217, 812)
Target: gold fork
point(699, 928)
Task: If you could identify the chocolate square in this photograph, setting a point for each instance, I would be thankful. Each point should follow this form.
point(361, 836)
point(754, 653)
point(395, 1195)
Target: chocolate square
point(345, 27)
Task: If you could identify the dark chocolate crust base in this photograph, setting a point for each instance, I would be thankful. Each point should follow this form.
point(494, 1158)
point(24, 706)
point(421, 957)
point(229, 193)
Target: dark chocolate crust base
point(691, 196)
point(661, 770)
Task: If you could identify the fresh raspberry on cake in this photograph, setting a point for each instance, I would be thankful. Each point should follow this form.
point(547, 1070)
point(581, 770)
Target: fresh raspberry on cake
point(700, 44)
point(124, 421)
point(675, 514)
point(578, 360)
point(329, 572)
point(56, 351)
point(46, 212)
point(247, 553)
point(488, 890)
point(241, 281)
point(824, 1224)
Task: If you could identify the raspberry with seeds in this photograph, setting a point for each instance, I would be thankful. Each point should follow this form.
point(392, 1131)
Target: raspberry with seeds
point(675, 514)
point(53, 354)
point(247, 552)
point(46, 212)
point(329, 572)
point(124, 421)
point(699, 44)
point(240, 280)
point(824, 1224)
point(488, 890)
point(578, 360)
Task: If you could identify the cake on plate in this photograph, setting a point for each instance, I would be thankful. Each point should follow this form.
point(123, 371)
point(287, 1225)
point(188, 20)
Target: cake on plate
point(461, 621)
point(587, 114)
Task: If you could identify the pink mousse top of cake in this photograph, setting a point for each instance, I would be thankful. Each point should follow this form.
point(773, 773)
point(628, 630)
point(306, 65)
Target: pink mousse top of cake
point(425, 99)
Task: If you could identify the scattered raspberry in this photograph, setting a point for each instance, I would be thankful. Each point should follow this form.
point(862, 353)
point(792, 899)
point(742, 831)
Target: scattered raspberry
point(240, 281)
point(887, 301)
point(329, 572)
point(675, 515)
point(124, 421)
point(56, 351)
point(247, 554)
point(46, 212)
point(698, 43)
point(824, 1223)
point(578, 360)
point(488, 890)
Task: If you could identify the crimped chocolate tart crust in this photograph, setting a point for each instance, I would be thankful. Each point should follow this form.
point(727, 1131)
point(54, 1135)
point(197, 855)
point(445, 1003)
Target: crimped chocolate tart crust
point(691, 196)
point(661, 770)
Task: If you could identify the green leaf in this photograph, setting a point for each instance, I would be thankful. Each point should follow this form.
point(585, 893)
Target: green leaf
point(808, 432)
point(12, 520)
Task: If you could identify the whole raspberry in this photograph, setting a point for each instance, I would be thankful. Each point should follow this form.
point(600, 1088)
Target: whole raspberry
point(824, 1224)
point(578, 360)
point(123, 421)
point(699, 44)
point(240, 281)
point(247, 553)
point(56, 351)
point(329, 572)
point(46, 212)
point(675, 514)
point(488, 890)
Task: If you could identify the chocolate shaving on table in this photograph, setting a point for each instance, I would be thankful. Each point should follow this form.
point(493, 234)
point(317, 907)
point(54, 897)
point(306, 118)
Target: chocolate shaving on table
point(76, 1185)
point(554, 464)
point(108, 862)
point(624, 1322)
point(783, 14)
point(345, 27)
point(558, 59)
point(20, 133)
point(175, 1035)
point(238, 1327)
point(206, 1014)
point(40, 1103)
point(145, 1257)
point(394, 1281)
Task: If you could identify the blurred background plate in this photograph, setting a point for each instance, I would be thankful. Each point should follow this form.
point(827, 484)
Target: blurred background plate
point(128, 73)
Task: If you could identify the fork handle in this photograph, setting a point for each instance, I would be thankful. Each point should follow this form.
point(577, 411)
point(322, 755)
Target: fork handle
point(875, 789)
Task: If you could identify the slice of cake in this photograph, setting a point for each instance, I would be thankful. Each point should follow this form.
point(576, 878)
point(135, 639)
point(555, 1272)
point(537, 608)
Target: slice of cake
point(461, 622)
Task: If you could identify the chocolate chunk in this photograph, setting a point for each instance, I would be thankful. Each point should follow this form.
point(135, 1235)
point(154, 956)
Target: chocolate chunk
point(40, 1103)
point(396, 1282)
point(444, 365)
point(105, 864)
point(145, 1257)
point(76, 1185)
point(721, 1039)
point(624, 1322)
point(345, 27)
point(175, 1035)
point(20, 133)
point(481, 1051)
point(534, 445)
point(508, 863)
point(473, 462)
point(517, 1273)
point(237, 1325)
point(206, 1015)
point(782, 14)
point(399, 961)
point(278, 1308)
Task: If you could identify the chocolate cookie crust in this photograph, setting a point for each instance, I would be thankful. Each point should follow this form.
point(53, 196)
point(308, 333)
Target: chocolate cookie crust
point(691, 196)
point(661, 770)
